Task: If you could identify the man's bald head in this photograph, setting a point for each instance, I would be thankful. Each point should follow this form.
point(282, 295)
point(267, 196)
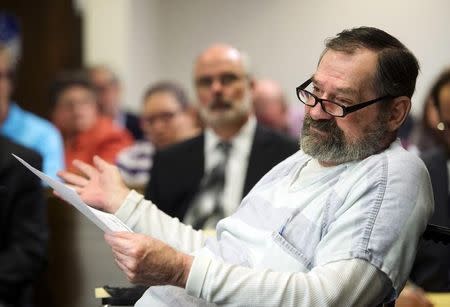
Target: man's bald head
point(226, 53)
point(269, 88)
point(269, 104)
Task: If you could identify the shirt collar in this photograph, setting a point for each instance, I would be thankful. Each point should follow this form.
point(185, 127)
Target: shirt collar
point(242, 138)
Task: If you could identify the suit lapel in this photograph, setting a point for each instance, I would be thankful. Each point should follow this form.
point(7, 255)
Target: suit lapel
point(194, 161)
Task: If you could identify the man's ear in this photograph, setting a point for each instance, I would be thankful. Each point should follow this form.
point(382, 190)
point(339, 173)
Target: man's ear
point(399, 110)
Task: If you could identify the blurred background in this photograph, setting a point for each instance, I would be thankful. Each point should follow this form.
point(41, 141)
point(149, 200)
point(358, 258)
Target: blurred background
point(149, 40)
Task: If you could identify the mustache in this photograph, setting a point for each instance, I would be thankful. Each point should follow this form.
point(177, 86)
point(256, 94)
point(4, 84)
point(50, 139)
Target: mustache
point(220, 103)
point(325, 125)
point(335, 134)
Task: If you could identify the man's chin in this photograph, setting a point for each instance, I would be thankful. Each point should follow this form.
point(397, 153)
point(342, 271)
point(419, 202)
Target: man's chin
point(220, 117)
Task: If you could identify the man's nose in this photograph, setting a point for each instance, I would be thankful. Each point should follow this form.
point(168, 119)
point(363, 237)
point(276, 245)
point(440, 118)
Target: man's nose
point(216, 86)
point(158, 124)
point(317, 113)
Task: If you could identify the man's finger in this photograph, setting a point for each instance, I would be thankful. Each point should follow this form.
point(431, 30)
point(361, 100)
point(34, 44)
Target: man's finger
point(122, 267)
point(120, 256)
point(101, 164)
point(117, 243)
point(87, 169)
point(122, 234)
point(125, 263)
point(73, 179)
point(73, 187)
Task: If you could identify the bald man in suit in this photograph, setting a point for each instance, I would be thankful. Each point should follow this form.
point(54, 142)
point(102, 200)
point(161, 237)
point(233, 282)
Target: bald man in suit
point(181, 175)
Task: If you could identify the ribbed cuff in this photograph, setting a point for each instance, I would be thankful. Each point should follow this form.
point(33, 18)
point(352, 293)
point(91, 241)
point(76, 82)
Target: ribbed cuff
point(129, 205)
point(197, 275)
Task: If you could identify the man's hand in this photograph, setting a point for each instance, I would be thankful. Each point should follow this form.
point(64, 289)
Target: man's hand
point(412, 296)
point(100, 186)
point(148, 261)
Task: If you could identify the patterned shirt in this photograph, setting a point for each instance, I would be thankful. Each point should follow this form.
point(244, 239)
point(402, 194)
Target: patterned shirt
point(135, 162)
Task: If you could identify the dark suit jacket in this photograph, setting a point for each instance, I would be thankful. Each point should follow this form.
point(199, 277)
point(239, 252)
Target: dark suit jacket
point(133, 126)
point(432, 265)
point(23, 223)
point(178, 170)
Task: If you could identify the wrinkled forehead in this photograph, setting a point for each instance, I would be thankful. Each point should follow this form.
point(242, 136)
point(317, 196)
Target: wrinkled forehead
point(338, 70)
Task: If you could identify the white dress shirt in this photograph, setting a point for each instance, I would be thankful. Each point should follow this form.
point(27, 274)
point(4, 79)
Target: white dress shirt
point(235, 171)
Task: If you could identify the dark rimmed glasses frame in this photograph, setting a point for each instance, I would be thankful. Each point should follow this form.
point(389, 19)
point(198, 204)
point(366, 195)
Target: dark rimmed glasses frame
point(340, 110)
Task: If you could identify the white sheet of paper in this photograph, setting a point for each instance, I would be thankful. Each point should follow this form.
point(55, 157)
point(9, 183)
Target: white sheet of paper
point(105, 221)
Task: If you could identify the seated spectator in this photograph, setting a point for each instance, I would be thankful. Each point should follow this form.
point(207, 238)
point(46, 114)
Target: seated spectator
point(24, 127)
point(431, 270)
point(203, 179)
point(166, 119)
point(270, 105)
point(406, 134)
point(426, 134)
point(296, 115)
point(85, 132)
point(108, 88)
point(272, 110)
point(23, 225)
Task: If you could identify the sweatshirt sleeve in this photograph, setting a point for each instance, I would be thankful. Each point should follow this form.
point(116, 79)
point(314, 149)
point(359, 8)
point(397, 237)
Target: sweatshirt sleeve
point(345, 283)
point(144, 217)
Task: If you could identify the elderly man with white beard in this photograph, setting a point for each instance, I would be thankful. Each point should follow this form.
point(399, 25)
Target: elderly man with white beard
point(335, 224)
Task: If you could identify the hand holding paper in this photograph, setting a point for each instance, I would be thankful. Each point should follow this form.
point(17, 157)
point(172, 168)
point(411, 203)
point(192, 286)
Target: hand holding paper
point(148, 261)
point(100, 187)
point(143, 259)
point(106, 221)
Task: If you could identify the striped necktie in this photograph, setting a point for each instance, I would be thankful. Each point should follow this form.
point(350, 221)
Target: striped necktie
point(213, 182)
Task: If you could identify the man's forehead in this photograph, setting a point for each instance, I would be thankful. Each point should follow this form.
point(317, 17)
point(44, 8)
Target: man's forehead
point(339, 87)
point(76, 90)
point(347, 72)
point(161, 104)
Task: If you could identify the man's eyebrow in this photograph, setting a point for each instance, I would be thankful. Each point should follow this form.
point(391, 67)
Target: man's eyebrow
point(348, 91)
point(340, 90)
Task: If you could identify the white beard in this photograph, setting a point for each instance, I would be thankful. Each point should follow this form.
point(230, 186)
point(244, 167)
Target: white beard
point(238, 112)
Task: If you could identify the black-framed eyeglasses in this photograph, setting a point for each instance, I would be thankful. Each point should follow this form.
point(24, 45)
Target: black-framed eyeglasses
point(331, 107)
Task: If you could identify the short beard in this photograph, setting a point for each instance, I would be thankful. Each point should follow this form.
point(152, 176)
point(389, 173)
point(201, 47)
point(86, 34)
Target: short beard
point(334, 148)
point(225, 118)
